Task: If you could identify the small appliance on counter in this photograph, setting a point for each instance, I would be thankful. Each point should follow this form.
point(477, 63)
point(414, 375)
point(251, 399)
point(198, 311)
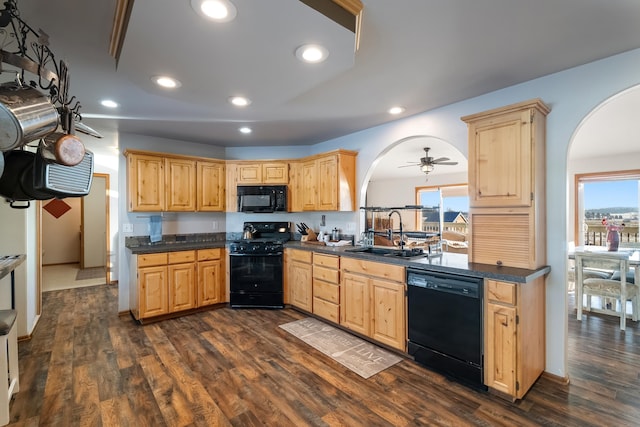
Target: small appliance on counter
point(256, 265)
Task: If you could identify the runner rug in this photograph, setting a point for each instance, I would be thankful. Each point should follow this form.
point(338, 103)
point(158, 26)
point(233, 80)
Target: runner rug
point(362, 357)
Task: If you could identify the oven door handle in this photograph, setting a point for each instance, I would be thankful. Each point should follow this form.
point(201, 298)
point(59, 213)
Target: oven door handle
point(275, 254)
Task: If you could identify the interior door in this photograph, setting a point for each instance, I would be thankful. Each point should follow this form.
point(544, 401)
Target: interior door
point(94, 228)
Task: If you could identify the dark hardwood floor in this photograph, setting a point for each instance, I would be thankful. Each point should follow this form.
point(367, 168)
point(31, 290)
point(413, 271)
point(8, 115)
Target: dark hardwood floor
point(87, 366)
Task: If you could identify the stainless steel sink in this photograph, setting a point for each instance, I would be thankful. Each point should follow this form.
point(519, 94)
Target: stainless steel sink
point(389, 252)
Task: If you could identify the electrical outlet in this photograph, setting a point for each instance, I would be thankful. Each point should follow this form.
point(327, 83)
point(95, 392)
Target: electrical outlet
point(127, 228)
point(214, 225)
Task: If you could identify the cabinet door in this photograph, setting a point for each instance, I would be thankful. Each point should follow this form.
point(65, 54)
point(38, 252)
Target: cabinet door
point(152, 285)
point(210, 187)
point(388, 313)
point(500, 348)
point(145, 179)
point(327, 170)
point(275, 173)
point(300, 285)
point(500, 161)
point(354, 303)
point(180, 184)
point(296, 188)
point(181, 287)
point(309, 186)
point(250, 174)
point(232, 187)
point(210, 282)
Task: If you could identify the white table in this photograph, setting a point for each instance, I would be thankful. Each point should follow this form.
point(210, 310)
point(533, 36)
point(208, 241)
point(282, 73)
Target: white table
point(634, 262)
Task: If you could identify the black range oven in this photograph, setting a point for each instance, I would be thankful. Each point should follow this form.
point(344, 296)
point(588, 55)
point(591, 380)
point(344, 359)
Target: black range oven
point(256, 267)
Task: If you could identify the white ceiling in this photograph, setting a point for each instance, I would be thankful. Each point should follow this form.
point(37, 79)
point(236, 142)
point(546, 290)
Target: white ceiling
point(421, 54)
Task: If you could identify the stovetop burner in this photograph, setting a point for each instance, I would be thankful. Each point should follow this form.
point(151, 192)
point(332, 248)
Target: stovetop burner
point(269, 239)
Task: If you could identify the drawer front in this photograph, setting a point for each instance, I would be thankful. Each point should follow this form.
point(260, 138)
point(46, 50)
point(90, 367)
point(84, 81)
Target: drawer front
point(209, 254)
point(377, 269)
point(329, 261)
point(326, 310)
point(327, 274)
point(300, 255)
point(148, 260)
point(501, 292)
point(326, 291)
point(181, 257)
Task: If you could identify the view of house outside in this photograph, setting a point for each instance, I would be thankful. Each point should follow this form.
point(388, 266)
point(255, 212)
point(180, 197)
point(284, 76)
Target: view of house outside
point(618, 202)
point(455, 212)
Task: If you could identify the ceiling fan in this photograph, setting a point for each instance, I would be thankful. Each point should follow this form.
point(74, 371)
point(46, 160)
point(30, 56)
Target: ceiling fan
point(427, 163)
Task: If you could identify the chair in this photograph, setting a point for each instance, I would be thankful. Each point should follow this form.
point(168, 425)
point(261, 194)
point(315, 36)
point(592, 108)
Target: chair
point(8, 362)
point(609, 287)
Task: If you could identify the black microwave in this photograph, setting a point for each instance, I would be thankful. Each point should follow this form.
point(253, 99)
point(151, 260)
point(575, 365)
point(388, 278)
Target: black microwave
point(262, 198)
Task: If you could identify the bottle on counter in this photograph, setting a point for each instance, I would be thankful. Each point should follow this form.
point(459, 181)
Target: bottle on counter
point(335, 235)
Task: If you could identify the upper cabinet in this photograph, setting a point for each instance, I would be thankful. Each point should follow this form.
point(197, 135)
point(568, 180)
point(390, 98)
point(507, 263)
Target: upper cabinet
point(506, 153)
point(263, 173)
point(210, 179)
point(161, 182)
point(328, 181)
point(507, 185)
point(145, 182)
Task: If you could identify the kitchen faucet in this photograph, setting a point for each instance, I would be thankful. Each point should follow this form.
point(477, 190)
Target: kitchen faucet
point(391, 228)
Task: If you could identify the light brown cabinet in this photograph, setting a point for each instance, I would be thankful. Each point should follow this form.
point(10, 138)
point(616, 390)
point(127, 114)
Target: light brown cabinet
point(173, 282)
point(210, 180)
point(182, 275)
point(507, 185)
point(158, 182)
point(514, 336)
point(373, 301)
point(263, 173)
point(145, 183)
point(180, 185)
point(328, 181)
point(211, 277)
point(299, 279)
point(326, 286)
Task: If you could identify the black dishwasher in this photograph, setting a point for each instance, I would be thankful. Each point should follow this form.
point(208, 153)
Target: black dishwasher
point(445, 324)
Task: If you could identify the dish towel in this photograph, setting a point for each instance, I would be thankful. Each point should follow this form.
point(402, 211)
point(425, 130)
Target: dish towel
point(155, 228)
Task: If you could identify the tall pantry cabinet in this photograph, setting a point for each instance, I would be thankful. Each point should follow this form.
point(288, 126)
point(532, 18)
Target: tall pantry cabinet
point(507, 185)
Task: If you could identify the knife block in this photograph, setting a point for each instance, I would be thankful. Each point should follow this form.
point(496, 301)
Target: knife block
point(311, 236)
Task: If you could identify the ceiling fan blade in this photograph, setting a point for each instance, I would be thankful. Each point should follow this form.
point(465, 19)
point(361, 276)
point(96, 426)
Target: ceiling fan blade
point(411, 165)
point(446, 163)
point(440, 159)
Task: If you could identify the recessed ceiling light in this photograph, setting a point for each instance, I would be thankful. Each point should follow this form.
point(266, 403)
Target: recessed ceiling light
point(396, 110)
point(312, 53)
point(239, 101)
point(109, 103)
point(245, 129)
point(167, 82)
point(215, 10)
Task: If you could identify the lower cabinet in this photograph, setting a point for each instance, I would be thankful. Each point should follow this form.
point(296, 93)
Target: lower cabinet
point(299, 279)
point(172, 282)
point(514, 336)
point(373, 301)
point(211, 277)
point(326, 286)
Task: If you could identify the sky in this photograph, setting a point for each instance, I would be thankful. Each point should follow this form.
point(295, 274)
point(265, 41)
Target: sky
point(608, 194)
point(431, 198)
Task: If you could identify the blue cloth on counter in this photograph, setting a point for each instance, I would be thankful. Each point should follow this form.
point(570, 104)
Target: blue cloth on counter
point(155, 228)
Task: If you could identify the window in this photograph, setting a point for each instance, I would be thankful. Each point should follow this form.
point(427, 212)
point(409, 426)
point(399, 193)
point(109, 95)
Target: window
point(454, 200)
point(612, 195)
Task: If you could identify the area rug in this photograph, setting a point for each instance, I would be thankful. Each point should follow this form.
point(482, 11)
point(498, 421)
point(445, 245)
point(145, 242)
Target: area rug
point(362, 357)
point(90, 273)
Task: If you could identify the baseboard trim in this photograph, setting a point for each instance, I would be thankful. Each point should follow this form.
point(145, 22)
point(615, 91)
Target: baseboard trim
point(556, 378)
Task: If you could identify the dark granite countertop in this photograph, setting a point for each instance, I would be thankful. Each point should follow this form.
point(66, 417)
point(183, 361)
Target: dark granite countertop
point(8, 263)
point(445, 263)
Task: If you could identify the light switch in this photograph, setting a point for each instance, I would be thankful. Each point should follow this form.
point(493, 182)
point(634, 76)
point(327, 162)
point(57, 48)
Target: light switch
point(127, 228)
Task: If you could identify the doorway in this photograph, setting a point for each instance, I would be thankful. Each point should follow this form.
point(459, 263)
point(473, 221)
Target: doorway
point(74, 243)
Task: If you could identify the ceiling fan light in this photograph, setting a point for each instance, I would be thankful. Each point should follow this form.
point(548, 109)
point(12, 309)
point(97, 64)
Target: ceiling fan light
point(426, 168)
